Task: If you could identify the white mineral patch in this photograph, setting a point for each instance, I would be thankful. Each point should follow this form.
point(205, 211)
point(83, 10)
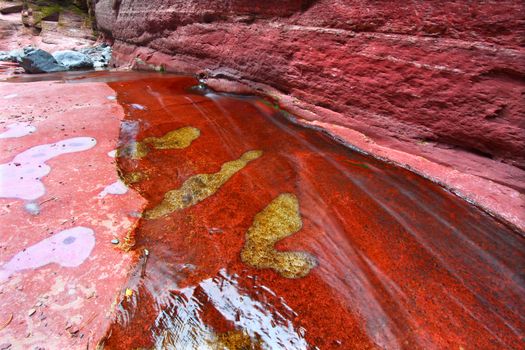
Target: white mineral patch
point(137, 106)
point(118, 187)
point(22, 177)
point(17, 130)
point(32, 208)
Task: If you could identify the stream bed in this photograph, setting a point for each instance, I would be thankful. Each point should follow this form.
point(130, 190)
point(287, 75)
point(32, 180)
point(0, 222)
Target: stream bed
point(260, 233)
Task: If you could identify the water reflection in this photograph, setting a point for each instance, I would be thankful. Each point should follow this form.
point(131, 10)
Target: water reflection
point(181, 324)
point(22, 177)
point(68, 248)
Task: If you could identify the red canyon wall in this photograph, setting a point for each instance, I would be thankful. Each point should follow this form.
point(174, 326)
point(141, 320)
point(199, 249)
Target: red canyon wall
point(447, 73)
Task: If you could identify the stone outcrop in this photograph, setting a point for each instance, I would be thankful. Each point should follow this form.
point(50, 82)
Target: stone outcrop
point(100, 55)
point(34, 60)
point(48, 25)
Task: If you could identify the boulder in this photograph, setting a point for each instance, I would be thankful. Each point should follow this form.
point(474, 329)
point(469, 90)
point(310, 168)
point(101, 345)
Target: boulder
point(73, 59)
point(39, 61)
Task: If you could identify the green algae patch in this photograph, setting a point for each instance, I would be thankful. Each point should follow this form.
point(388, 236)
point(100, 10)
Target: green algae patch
point(176, 139)
point(236, 340)
point(199, 187)
point(134, 177)
point(278, 220)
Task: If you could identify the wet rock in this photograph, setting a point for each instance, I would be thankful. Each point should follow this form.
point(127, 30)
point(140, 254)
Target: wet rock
point(73, 59)
point(100, 55)
point(12, 56)
point(40, 61)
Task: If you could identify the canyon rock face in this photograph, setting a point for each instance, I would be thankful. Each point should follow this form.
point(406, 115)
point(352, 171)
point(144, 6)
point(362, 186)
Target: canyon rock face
point(450, 74)
point(425, 84)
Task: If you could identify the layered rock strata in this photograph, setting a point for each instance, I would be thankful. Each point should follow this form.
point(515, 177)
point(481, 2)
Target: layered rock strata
point(442, 81)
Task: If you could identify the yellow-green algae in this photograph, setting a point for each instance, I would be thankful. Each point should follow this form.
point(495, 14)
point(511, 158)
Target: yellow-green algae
point(236, 340)
point(176, 139)
point(278, 220)
point(134, 177)
point(199, 187)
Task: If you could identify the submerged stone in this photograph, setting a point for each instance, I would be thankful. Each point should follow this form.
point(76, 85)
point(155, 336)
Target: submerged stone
point(176, 139)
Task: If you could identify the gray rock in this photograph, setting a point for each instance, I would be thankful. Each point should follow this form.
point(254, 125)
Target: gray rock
point(73, 59)
point(12, 56)
point(39, 61)
point(4, 56)
point(100, 55)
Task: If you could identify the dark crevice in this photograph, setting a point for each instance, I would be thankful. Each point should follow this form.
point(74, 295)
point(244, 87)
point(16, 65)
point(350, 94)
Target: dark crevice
point(504, 74)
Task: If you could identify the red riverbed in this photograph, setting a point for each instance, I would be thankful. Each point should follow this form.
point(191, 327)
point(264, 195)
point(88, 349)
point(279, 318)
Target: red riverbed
point(400, 262)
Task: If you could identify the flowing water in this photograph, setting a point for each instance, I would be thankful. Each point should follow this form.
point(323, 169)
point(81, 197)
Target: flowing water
point(262, 234)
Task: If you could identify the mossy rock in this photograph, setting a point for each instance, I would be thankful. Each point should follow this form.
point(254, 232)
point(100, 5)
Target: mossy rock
point(44, 10)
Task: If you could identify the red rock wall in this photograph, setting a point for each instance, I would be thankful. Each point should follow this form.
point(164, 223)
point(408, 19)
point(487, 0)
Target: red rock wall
point(451, 73)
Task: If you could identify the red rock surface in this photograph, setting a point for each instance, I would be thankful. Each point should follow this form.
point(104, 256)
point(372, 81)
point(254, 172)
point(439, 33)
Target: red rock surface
point(448, 73)
point(439, 80)
point(56, 305)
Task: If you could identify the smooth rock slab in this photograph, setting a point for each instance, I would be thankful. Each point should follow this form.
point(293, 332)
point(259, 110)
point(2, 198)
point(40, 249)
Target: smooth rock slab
point(79, 295)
